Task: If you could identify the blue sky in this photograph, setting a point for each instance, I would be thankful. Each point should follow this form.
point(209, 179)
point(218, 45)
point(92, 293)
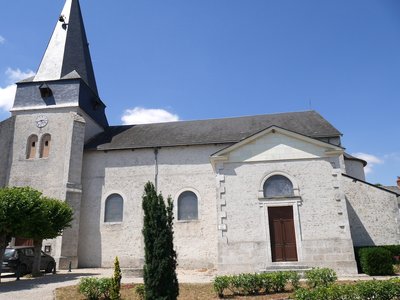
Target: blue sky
point(205, 59)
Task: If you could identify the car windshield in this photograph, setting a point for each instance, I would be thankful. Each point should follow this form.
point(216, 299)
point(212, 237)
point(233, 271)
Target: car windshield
point(9, 253)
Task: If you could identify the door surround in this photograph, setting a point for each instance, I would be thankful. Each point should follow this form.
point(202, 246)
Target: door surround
point(294, 202)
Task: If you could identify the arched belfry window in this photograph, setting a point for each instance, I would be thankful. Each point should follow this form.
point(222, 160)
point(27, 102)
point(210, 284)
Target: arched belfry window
point(45, 146)
point(188, 206)
point(278, 186)
point(31, 146)
point(114, 208)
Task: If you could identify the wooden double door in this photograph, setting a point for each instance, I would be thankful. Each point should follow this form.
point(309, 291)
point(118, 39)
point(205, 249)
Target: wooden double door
point(282, 233)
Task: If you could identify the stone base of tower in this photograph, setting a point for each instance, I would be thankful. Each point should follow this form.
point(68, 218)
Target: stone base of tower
point(64, 262)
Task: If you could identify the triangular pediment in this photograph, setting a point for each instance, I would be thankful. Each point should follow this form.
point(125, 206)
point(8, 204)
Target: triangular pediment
point(274, 144)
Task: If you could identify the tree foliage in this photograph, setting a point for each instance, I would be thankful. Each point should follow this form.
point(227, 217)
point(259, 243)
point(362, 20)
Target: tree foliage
point(24, 212)
point(160, 278)
point(53, 217)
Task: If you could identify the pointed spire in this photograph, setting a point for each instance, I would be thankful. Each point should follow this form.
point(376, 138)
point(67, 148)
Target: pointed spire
point(68, 49)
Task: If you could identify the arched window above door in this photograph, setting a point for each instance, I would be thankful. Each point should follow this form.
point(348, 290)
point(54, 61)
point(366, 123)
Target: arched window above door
point(278, 186)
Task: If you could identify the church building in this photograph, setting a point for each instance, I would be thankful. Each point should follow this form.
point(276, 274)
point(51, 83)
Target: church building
point(254, 193)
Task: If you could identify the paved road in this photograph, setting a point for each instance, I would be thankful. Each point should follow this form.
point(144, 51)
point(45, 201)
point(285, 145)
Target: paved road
point(43, 288)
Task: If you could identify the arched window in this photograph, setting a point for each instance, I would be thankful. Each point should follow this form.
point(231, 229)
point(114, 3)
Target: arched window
point(114, 208)
point(278, 186)
point(31, 146)
point(45, 146)
point(187, 206)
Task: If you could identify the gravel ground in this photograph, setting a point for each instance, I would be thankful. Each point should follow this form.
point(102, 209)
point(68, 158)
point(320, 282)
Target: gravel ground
point(42, 288)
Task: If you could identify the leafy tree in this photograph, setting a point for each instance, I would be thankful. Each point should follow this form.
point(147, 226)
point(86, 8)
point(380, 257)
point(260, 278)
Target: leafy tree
point(160, 278)
point(17, 205)
point(47, 223)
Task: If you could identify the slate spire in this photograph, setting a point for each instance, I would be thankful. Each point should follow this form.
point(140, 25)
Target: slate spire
point(68, 49)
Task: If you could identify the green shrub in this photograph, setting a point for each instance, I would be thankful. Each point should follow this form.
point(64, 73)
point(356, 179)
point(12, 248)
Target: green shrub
point(266, 282)
point(140, 290)
point(376, 261)
point(116, 281)
point(94, 288)
point(220, 284)
point(320, 277)
point(382, 290)
point(249, 284)
point(105, 287)
point(279, 281)
point(294, 279)
point(255, 284)
point(394, 249)
point(367, 290)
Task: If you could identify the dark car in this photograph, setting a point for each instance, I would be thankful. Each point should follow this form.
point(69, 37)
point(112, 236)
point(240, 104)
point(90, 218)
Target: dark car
point(23, 255)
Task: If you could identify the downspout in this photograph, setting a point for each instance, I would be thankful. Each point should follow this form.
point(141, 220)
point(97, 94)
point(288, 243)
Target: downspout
point(156, 169)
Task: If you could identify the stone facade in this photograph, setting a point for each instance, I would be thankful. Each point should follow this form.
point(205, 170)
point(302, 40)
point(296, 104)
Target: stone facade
point(58, 175)
point(6, 139)
point(125, 173)
point(373, 214)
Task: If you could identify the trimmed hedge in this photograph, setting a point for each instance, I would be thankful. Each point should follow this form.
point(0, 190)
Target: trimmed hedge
point(367, 290)
point(376, 261)
point(256, 284)
point(394, 250)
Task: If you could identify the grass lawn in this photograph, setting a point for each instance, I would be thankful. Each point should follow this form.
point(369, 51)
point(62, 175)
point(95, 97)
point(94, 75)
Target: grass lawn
point(187, 292)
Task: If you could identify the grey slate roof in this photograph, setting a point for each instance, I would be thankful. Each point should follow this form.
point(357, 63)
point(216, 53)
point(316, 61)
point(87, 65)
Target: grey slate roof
point(76, 54)
point(76, 62)
point(393, 189)
point(351, 157)
point(215, 131)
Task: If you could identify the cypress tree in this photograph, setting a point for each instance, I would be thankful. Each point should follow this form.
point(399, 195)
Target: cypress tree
point(116, 281)
point(159, 272)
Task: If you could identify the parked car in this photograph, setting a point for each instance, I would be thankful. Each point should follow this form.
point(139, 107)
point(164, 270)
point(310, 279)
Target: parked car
point(23, 255)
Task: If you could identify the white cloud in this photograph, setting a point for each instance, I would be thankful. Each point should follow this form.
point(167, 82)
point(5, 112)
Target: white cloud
point(140, 115)
point(15, 75)
point(7, 93)
point(2, 40)
point(394, 156)
point(372, 160)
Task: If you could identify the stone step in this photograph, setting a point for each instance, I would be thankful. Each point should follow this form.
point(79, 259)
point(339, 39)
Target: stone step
point(297, 268)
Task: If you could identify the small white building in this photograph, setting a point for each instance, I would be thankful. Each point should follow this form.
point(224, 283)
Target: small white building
point(250, 193)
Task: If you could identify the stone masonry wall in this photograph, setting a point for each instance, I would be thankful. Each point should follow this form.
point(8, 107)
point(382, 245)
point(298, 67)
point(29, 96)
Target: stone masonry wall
point(126, 172)
point(6, 140)
point(59, 174)
point(373, 214)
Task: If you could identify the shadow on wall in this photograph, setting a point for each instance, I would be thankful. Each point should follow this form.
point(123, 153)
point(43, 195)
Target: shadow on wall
point(90, 239)
point(359, 233)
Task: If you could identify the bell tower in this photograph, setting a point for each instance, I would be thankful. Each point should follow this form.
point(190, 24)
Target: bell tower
point(55, 112)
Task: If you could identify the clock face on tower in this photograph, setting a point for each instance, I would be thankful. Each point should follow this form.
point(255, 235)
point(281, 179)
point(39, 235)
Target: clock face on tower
point(41, 121)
